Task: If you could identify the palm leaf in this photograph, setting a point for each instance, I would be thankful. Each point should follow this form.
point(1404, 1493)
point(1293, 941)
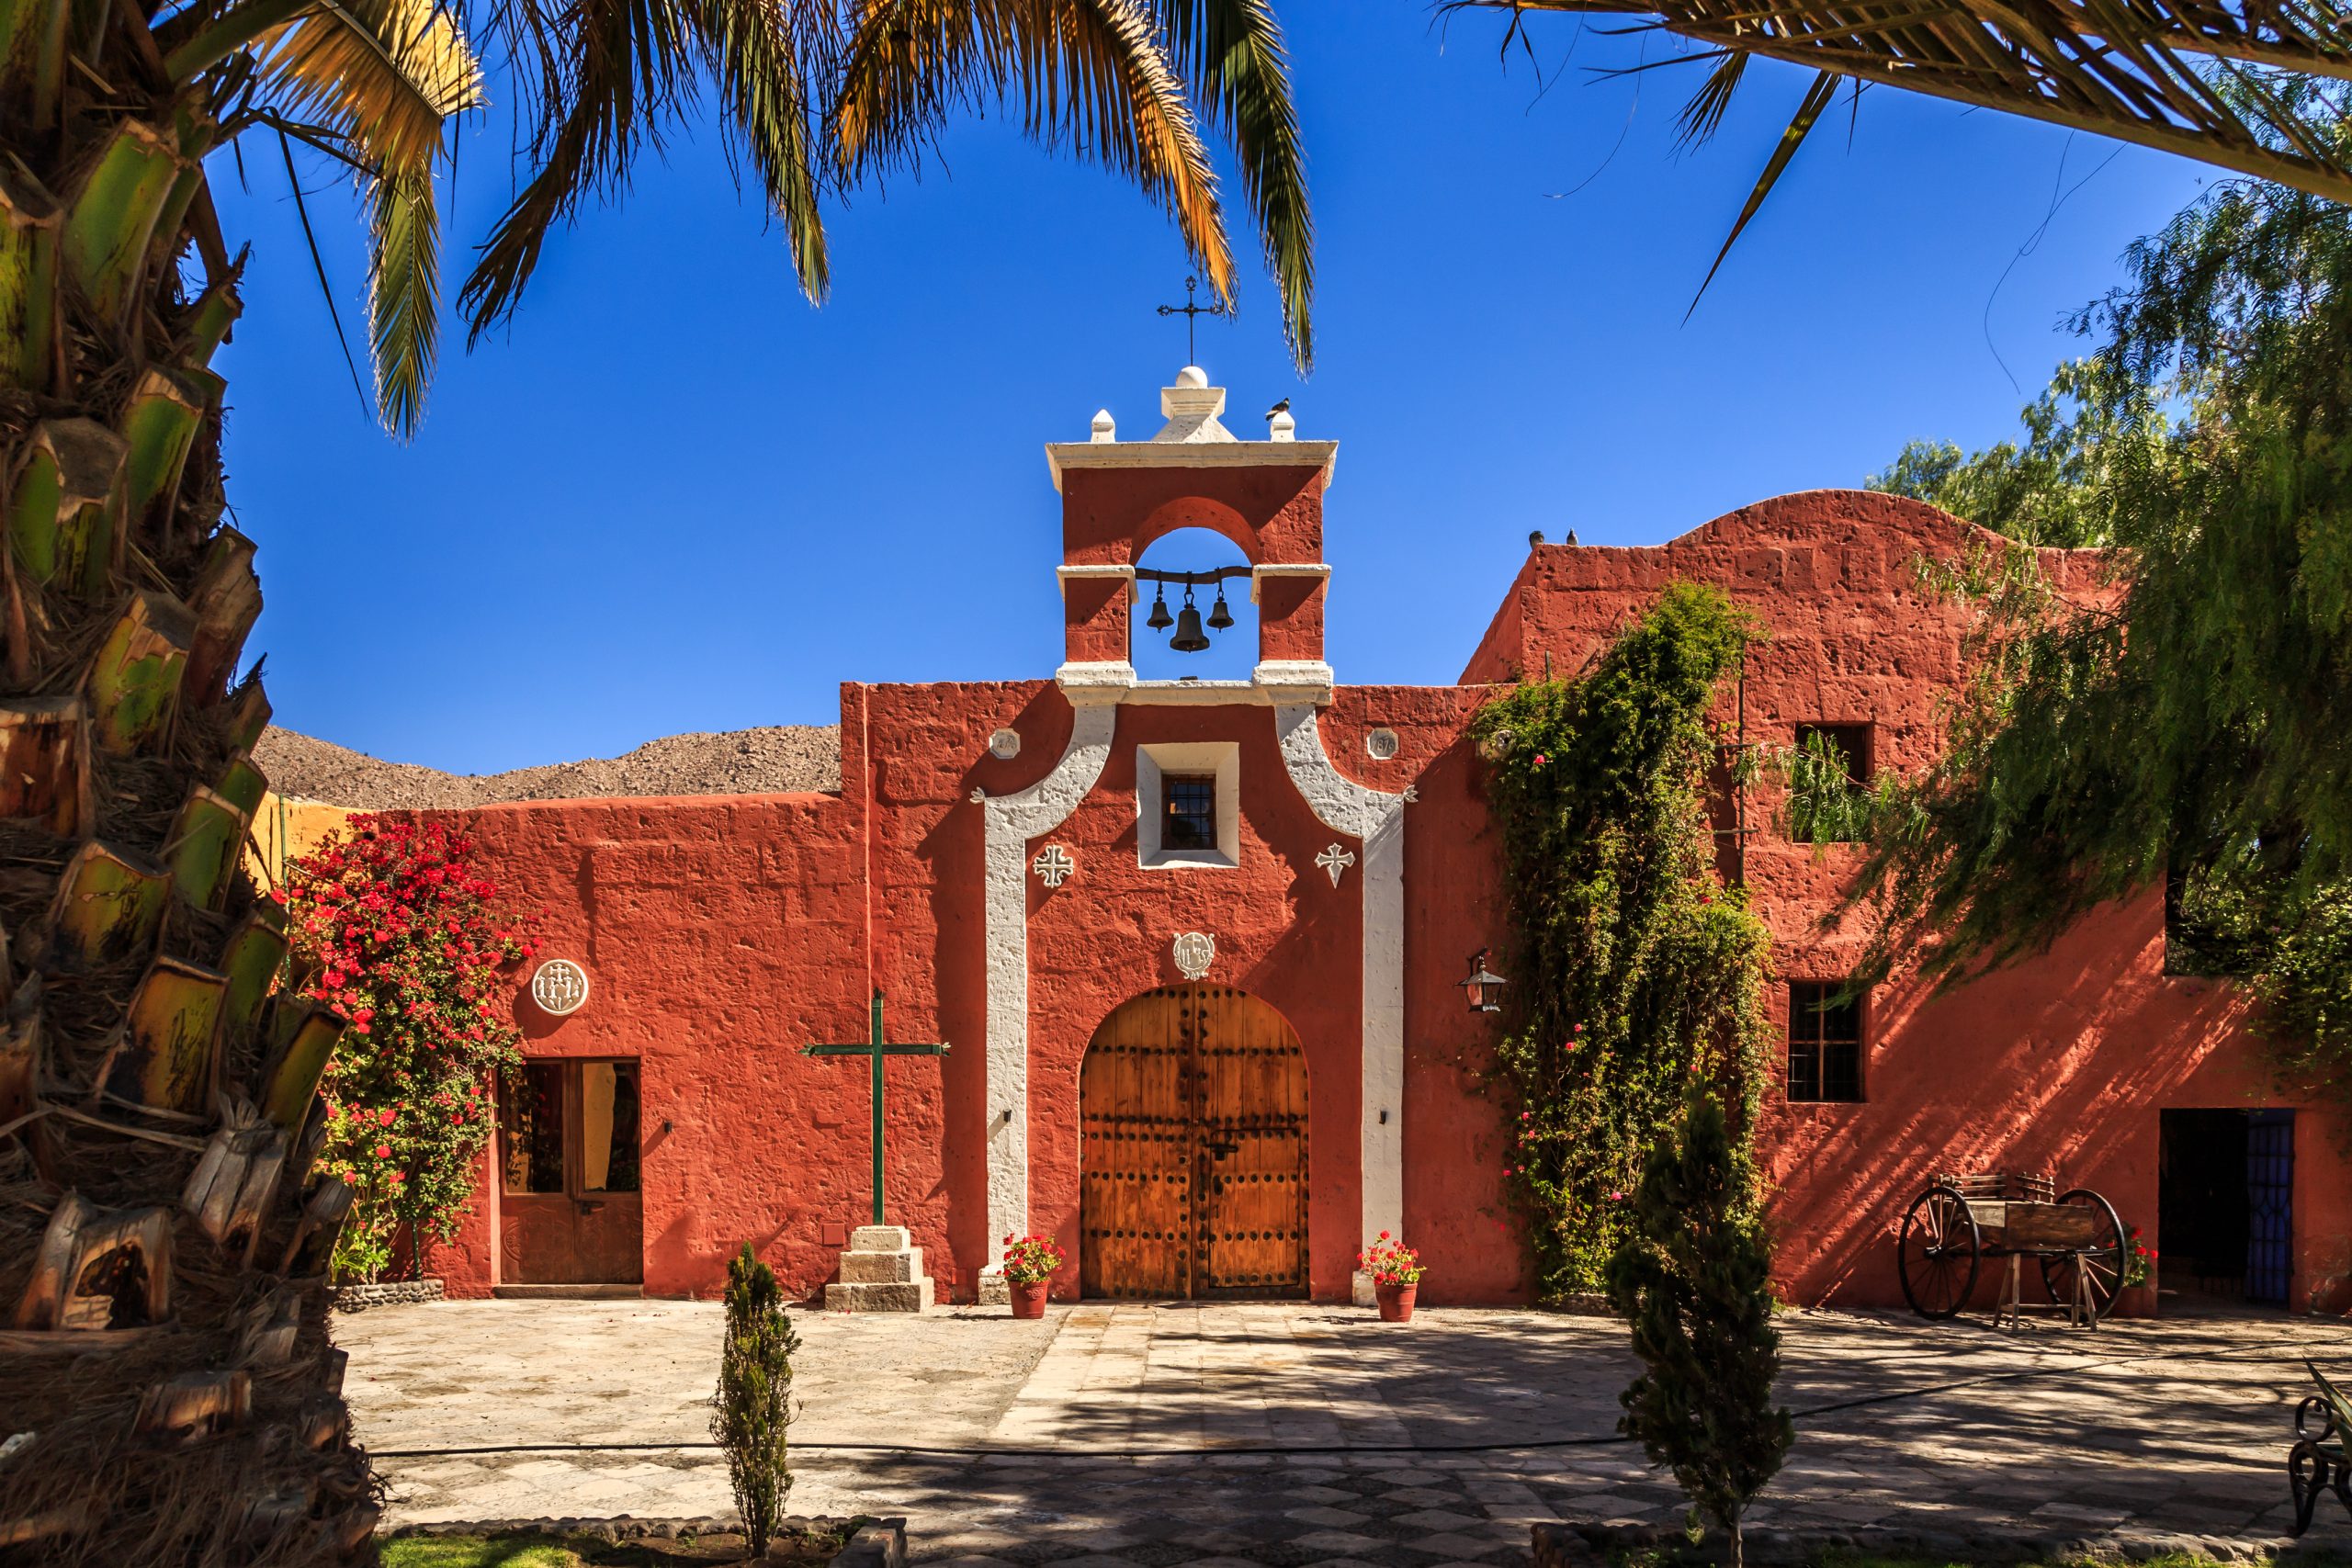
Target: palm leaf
point(383, 73)
point(403, 294)
point(1816, 98)
point(754, 51)
point(2183, 76)
point(1231, 53)
point(1089, 75)
point(607, 75)
point(1703, 115)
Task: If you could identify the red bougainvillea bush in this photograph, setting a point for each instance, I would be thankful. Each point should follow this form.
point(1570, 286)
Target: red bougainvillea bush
point(393, 929)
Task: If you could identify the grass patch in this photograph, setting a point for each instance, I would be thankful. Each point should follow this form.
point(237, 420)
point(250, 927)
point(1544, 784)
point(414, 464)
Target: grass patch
point(533, 1550)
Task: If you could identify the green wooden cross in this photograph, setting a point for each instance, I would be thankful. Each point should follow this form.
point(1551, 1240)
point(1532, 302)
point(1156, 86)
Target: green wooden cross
point(875, 1049)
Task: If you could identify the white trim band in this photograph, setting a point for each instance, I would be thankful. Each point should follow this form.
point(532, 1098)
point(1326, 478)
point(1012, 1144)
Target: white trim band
point(1378, 820)
point(1010, 821)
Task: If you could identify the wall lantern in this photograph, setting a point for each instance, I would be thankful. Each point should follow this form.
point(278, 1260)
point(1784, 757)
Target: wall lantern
point(1483, 986)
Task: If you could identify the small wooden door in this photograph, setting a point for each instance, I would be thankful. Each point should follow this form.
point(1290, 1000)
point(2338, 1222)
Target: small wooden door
point(570, 1210)
point(1193, 1163)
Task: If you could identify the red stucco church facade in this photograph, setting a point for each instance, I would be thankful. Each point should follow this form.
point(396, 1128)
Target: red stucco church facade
point(1014, 864)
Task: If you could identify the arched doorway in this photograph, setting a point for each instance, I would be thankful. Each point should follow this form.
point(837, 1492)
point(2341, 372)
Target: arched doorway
point(1193, 1158)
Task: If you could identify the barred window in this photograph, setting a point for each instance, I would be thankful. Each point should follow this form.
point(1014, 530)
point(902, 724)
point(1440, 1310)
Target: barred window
point(1824, 1041)
point(1192, 811)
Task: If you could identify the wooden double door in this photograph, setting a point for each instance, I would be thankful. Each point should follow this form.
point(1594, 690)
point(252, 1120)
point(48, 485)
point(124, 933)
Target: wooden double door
point(570, 1208)
point(1192, 1161)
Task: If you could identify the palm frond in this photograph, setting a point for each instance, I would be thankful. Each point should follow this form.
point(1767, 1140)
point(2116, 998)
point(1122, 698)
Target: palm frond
point(383, 73)
point(1089, 75)
point(1230, 52)
point(2184, 76)
point(607, 75)
point(403, 294)
point(753, 48)
point(1816, 98)
point(1703, 115)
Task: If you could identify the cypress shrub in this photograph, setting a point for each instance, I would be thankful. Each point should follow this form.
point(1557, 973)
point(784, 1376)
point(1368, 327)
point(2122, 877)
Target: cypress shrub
point(1693, 1280)
point(753, 1404)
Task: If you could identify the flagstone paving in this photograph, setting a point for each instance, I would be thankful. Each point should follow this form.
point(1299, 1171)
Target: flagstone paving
point(1134, 1436)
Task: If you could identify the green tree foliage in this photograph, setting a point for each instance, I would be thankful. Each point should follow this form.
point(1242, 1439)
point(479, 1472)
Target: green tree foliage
point(2189, 718)
point(1638, 968)
point(1693, 1279)
point(2050, 488)
point(753, 1404)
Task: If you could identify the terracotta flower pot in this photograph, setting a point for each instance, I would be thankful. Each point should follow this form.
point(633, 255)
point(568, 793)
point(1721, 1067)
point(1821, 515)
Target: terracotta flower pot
point(1396, 1301)
point(1029, 1299)
point(2135, 1301)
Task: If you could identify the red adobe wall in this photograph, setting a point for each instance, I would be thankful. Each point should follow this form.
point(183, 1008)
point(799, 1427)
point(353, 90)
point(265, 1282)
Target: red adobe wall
point(721, 933)
point(2062, 1062)
point(674, 905)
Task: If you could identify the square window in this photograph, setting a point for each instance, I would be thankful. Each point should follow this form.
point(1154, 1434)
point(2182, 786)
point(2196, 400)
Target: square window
point(1825, 1041)
point(1818, 816)
point(1851, 741)
point(1188, 804)
point(1192, 811)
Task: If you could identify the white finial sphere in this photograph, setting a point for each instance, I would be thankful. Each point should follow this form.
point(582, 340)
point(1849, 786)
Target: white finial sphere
point(1192, 376)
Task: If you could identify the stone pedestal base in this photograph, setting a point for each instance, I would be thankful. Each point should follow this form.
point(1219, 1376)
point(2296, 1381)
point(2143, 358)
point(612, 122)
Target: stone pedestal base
point(881, 1271)
point(994, 1292)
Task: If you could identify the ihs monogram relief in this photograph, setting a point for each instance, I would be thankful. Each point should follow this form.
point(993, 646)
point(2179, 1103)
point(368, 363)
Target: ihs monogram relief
point(1195, 951)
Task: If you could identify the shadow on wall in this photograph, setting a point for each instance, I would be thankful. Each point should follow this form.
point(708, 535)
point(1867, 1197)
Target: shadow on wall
point(2061, 1064)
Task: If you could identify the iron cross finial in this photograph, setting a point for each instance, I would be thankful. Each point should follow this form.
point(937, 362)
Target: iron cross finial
point(1192, 314)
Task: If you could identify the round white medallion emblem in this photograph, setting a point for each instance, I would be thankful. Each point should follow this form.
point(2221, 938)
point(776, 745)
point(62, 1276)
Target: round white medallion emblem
point(559, 986)
point(1195, 951)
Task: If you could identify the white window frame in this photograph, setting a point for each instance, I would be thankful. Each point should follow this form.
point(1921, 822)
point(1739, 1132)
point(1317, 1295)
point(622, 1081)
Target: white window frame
point(1154, 762)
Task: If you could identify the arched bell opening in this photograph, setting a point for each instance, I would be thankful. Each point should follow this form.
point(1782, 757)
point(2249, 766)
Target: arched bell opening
point(1205, 629)
point(1193, 1149)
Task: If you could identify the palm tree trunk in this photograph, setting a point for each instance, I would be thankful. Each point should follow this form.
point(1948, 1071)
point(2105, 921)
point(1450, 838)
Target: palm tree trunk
point(168, 1392)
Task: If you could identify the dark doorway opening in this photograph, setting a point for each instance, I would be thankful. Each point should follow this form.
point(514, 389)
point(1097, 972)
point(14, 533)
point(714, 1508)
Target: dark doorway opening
point(2224, 1204)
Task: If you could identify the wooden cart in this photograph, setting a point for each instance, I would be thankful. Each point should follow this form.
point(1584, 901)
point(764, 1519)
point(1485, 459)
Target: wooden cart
point(2074, 1237)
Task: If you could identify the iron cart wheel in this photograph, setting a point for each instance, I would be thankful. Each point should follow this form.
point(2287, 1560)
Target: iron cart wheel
point(1938, 1251)
point(2102, 1261)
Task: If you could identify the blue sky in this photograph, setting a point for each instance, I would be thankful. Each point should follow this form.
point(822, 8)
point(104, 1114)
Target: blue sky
point(676, 497)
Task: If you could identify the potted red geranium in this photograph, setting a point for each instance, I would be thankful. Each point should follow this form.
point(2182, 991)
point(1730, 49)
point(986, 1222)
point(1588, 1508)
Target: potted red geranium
point(1030, 1262)
point(1396, 1271)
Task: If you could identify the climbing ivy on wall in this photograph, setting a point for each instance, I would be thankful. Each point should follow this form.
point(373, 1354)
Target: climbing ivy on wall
point(1636, 966)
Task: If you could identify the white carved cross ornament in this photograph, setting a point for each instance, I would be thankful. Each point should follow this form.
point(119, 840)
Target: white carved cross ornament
point(1335, 859)
point(1053, 865)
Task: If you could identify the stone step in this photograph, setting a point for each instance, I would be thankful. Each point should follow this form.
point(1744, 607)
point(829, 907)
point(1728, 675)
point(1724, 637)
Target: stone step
point(882, 1268)
point(910, 1296)
point(880, 1238)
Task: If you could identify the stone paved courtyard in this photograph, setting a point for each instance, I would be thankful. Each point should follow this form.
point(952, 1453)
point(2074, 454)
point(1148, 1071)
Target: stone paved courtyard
point(1120, 1436)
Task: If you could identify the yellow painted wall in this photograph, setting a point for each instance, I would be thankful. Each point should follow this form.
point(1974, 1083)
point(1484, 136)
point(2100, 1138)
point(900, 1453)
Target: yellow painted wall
point(288, 829)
